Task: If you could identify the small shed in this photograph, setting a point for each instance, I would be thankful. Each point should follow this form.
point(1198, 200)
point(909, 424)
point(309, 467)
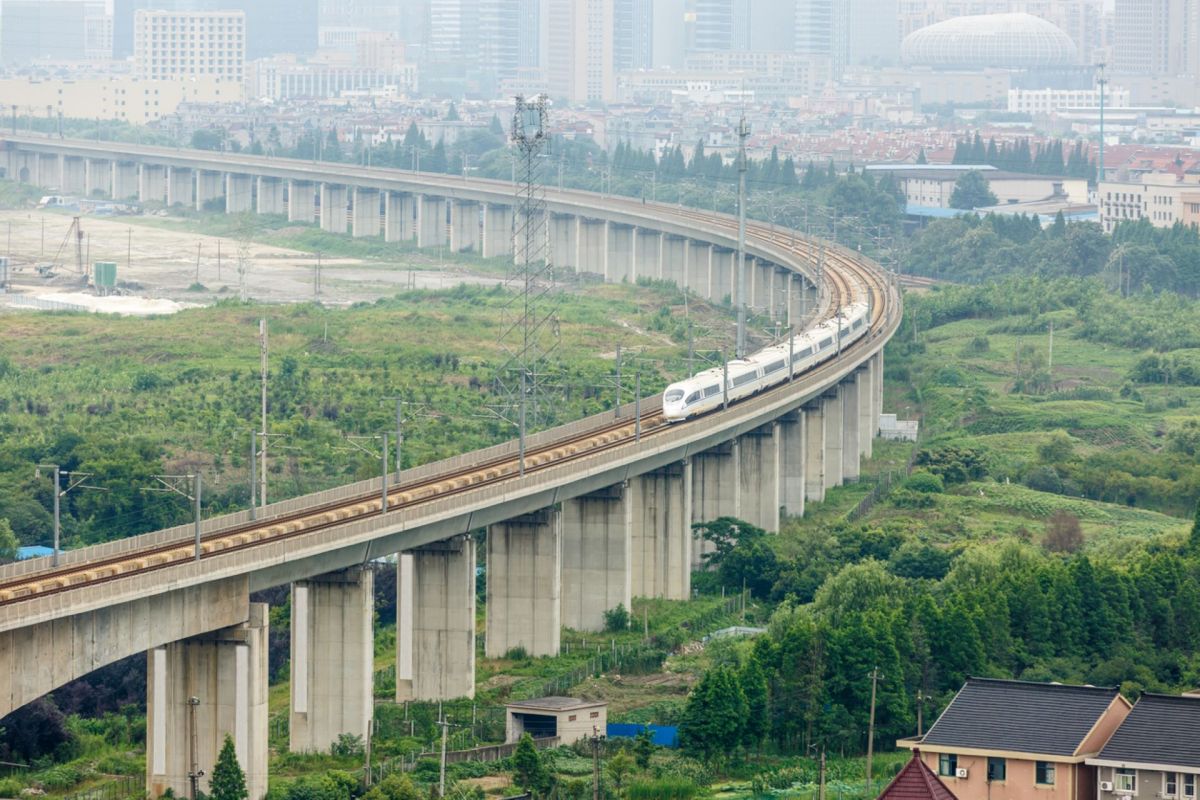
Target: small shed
point(568, 718)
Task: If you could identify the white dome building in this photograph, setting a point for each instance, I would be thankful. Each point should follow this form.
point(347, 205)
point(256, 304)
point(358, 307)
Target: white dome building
point(1014, 41)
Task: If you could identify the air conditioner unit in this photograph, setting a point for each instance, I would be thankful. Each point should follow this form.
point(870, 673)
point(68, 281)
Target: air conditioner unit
point(1106, 786)
point(960, 772)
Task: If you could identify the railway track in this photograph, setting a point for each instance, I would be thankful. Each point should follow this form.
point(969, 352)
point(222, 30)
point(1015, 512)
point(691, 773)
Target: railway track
point(847, 281)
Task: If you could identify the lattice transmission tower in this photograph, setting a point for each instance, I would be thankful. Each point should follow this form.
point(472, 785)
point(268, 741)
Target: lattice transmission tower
point(529, 317)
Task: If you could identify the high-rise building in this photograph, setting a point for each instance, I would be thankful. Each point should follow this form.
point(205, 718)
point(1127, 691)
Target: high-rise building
point(35, 29)
point(709, 26)
point(1157, 37)
point(668, 21)
point(272, 26)
point(190, 44)
point(848, 32)
point(579, 55)
point(633, 34)
point(773, 27)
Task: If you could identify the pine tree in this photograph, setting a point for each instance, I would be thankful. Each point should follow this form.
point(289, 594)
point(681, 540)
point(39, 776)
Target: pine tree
point(452, 114)
point(922, 160)
point(754, 687)
point(228, 782)
point(494, 127)
point(529, 772)
point(787, 172)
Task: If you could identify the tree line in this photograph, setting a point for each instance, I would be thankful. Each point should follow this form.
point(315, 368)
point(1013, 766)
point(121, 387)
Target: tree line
point(1054, 157)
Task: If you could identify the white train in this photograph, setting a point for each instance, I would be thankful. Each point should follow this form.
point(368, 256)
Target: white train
point(705, 390)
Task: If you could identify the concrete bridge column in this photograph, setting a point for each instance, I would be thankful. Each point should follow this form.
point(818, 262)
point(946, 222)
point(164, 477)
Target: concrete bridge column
point(674, 260)
point(366, 212)
point(333, 207)
point(151, 183)
point(99, 177)
point(834, 431)
point(333, 658)
point(300, 203)
point(759, 476)
point(563, 230)
point(239, 193)
point(208, 187)
point(524, 584)
point(759, 276)
point(699, 268)
point(400, 217)
point(792, 457)
point(464, 226)
point(198, 691)
point(596, 556)
point(866, 405)
point(435, 608)
point(49, 171)
point(814, 451)
point(431, 221)
point(498, 231)
point(878, 405)
point(853, 391)
point(716, 489)
point(724, 268)
point(74, 175)
point(781, 284)
point(647, 254)
point(179, 186)
point(618, 261)
point(270, 192)
point(661, 535)
point(125, 180)
point(592, 246)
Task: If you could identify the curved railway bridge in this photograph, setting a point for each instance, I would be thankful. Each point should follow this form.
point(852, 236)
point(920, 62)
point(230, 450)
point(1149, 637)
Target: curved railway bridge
point(602, 514)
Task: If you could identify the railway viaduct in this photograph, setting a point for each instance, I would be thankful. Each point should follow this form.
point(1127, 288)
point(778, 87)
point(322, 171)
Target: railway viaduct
point(602, 514)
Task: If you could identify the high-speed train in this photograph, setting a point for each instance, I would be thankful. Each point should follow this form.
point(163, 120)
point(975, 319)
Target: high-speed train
point(706, 390)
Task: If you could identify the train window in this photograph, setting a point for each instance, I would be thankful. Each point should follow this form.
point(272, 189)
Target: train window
point(674, 396)
point(775, 366)
point(742, 380)
point(857, 323)
point(826, 342)
point(691, 398)
point(709, 391)
point(799, 354)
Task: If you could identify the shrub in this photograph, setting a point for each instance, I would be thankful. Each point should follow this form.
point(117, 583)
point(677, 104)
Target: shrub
point(616, 619)
point(926, 482)
point(10, 787)
point(517, 653)
point(1063, 533)
point(1044, 479)
point(906, 498)
point(347, 745)
point(669, 788)
point(919, 560)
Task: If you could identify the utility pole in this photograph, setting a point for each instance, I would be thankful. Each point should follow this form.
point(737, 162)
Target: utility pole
point(218, 260)
point(617, 413)
point(170, 486)
point(921, 698)
point(383, 481)
point(1101, 82)
point(317, 278)
point(871, 727)
point(596, 739)
point(253, 472)
point(75, 480)
point(743, 133)
point(195, 773)
point(262, 339)
point(442, 771)
point(1050, 357)
point(637, 405)
point(821, 779)
point(198, 244)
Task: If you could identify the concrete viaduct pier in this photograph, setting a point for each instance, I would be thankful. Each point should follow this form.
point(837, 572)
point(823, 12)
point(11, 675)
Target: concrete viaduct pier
point(564, 543)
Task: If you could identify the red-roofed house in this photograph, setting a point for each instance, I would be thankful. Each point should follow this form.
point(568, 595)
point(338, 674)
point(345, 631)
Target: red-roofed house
point(915, 781)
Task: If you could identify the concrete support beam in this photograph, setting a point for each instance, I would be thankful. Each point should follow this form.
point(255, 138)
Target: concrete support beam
point(332, 659)
point(759, 278)
point(151, 183)
point(618, 263)
point(647, 254)
point(125, 180)
point(564, 232)
point(333, 207)
point(878, 406)
point(852, 395)
point(74, 175)
point(834, 430)
point(209, 186)
point(435, 641)
point(716, 489)
point(699, 268)
point(301, 205)
point(399, 211)
point(200, 690)
point(49, 171)
point(180, 182)
point(759, 477)
point(661, 536)
point(366, 212)
point(596, 556)
point(792, 457)
point(270, 194)
point(866, 405)
point(239, 193)
point(591, 246)
point(524, 584)
point(498, 231)
point(431, 221)
point(814, 451)
point(99, 178)
point(724, 271)
point(674, 260)
point(464, 226)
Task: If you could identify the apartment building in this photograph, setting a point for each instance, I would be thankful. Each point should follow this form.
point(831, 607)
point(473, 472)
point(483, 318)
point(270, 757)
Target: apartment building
point(190, 44)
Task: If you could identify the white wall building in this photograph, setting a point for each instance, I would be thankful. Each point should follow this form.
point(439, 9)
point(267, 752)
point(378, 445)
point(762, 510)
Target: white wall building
point(1047, 101)
point(1158, 197)
point(190, 44)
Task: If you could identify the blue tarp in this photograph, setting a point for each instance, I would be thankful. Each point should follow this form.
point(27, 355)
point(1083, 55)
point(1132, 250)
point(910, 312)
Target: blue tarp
point(662, 735)
point(33, 551)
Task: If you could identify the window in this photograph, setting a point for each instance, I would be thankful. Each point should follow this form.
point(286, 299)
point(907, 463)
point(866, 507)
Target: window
point(947, 764)
point(1189, 786)
point(1045, 773)
point(571, 718)
point(774, 366)
point(1170, 784)
point(691, 398)
point(594, 714)
point(1125, 780)
point(674, 396)
point(996, 769)
point(709, 391)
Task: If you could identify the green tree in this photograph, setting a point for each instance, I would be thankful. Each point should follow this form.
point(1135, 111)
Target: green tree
point(1194, 539)
point(8, 542)
point(754, 686)
point(971, 191)
point(643, 748)
point(394, 787)
point(529, 771)
point(618, 768)
point(228, 781)
point(208, 139)
point(714, 715)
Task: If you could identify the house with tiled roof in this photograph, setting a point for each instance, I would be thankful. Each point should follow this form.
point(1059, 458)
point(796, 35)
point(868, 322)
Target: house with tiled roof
point(915, 781)
point(1155, 753)
point(1015, 740)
